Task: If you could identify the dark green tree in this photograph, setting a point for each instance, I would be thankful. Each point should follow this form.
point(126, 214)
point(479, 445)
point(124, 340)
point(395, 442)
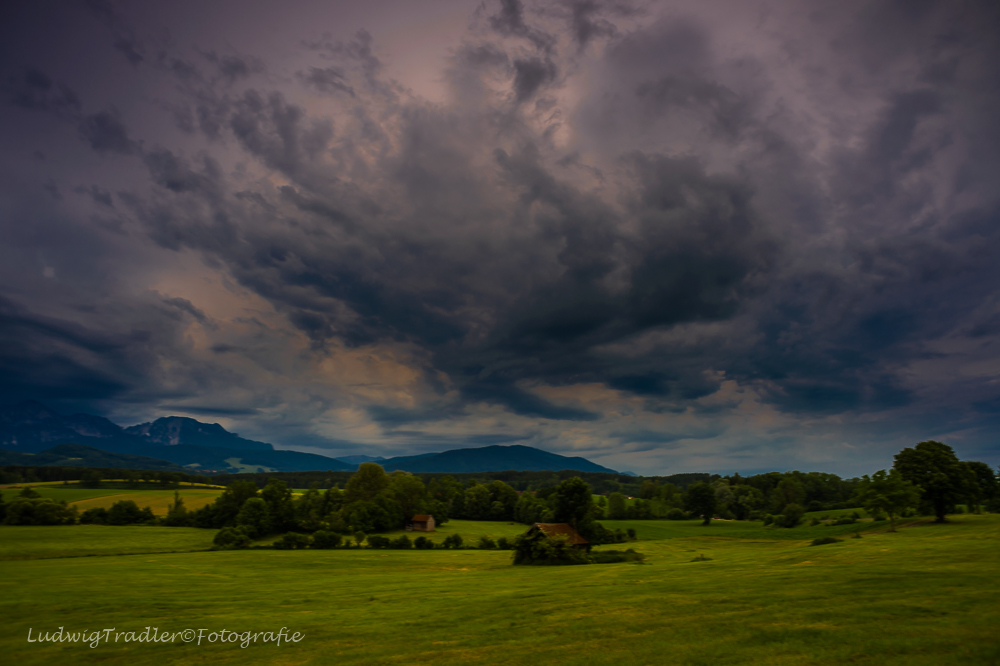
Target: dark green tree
point(367, 483)
point(254, 518)
point(700, 500)
point(229, 503)
point(936, 469)
point(409, 492)
point(889, 493)
point(616, 506)
point(477, 503)
point(572, 503)
point(279, 505)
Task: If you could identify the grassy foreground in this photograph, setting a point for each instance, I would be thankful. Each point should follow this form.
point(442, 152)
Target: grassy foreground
point(924, 595)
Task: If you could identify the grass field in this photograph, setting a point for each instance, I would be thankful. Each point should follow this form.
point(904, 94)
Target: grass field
point(42, 542)
point(924, 595)
point(157, 499)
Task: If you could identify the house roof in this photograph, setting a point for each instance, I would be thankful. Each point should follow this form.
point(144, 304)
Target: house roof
point(420, 518)
point(560, 529)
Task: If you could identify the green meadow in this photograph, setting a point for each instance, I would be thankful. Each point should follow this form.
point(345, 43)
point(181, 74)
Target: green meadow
point(724, 594)
point(158, 499)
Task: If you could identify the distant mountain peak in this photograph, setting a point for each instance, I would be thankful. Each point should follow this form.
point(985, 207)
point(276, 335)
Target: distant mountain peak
point(177, 430)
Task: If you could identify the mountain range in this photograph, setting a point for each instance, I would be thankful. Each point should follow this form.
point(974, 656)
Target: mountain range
point(33, 434)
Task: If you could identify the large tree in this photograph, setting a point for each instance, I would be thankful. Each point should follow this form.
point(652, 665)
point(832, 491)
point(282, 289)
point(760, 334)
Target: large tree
point(700, 500)
point(888, 492)
point(936, 469)
point(572, 503)
point(366, 483)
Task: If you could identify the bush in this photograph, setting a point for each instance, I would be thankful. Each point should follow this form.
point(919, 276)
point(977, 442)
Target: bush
point(825, 540)
point(792, 516)
point(230, 538)
point(536, 548)
point(614, 556)
point(402, 543)
point(452, 541)
point(292, 541)
point(768, 519)
point(631, 534)
point(127, 512)
point(376, 541)
point(814, 505)
point(423, 543)
point(325, 540)
point(503, 544)
point(38, 511)
point(814, 522)
point(96, 516)
point(844, 521)
point(486, 543)
point(676, 514)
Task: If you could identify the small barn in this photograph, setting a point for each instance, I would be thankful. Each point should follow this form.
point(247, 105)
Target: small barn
point(421, 523)
point(565, 530)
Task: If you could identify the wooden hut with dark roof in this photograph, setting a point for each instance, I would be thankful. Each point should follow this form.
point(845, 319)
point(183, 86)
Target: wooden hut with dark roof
point(421, 523)
point(556, 530)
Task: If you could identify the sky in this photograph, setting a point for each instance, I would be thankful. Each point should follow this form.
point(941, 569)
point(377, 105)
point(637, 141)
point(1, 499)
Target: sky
point(669, 237)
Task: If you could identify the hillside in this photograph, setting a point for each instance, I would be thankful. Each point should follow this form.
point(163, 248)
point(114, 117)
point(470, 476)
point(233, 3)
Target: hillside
point(492, 459)
point(79, 455)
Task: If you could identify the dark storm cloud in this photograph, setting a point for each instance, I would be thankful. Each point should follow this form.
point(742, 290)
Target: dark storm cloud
point(106, 133)
point(530, 75)
point(327, 80)
point(509, 20)
point(98, 195)
point(33, 89)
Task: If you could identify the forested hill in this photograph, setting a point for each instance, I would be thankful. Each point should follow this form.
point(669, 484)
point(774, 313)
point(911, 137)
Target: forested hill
point(492, 459)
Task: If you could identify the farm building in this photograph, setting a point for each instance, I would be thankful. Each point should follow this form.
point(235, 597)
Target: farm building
point(421, 523)
point(559, 530)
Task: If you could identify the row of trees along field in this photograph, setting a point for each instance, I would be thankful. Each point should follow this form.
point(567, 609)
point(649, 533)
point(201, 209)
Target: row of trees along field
point(927, 478)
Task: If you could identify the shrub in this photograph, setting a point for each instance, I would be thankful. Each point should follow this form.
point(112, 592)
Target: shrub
point(423, 543)
point(127, 512)
point(825, 540)
point(614, 556)
point(631, 534)
point(486, 543)
point(376, 541)
point(452, 541)
point(537, 548)
point(39, 511)
point(96, 516)
point(503, 544)
point(792, 516)
point(229, 538)
point(402, 543)
point(676, 514)
point(814, 505)
point(814, 522)
point(768, 519)
point(844, 521)
point(292, 541)
point(325, 540)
